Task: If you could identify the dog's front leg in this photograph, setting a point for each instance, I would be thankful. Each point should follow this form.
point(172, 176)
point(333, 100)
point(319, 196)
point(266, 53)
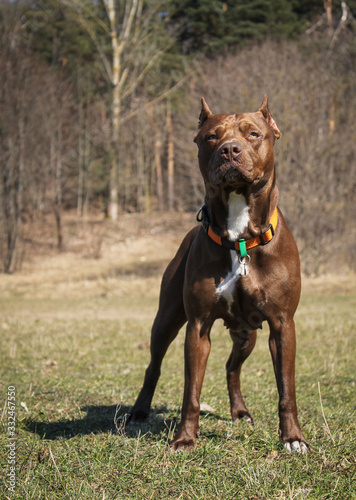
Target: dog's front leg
point(282, 343)
point(196, 353)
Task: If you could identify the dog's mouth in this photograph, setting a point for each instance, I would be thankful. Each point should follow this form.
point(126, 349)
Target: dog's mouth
point(230, 174)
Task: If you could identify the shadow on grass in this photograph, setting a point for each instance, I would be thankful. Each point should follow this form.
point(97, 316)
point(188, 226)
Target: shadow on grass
point(102, 419)
point(108, 419)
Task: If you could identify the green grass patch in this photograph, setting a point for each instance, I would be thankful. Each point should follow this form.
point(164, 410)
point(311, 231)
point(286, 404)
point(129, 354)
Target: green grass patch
point(76, 377)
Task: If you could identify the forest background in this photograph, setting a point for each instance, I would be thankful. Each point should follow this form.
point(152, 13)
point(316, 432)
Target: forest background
point(99, 102)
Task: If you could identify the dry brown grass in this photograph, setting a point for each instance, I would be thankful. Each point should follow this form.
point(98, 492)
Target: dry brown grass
point(103, 259)
point(96, 253)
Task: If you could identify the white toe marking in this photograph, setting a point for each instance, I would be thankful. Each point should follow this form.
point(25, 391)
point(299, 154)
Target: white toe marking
point(304, 448)
point(296, 447)
point(287, 447)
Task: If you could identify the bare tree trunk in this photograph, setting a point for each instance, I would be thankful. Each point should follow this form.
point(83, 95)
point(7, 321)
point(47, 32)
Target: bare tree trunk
point(114, 173)
point(170, 159)
point(57, 207)
point(81, 154)
point(80, 198)
point(140, 169)
point(147, 196)
point(84, 154)
point(11, 188)
point(157, 151)
point(57, 216)
point(346, 18)
point(59, 195)
point(331, 115)
point(18, 205)
point(56, 195)
point(86, 192)
point(116, 107)
point(329, 15)
point(7, 187)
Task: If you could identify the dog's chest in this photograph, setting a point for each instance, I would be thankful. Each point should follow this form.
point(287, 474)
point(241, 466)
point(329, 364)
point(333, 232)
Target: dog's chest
point(226, 287)
point(237, 222)
point(243, 304)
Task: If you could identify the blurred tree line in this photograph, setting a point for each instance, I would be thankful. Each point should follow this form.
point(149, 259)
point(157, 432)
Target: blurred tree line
point(99, 101)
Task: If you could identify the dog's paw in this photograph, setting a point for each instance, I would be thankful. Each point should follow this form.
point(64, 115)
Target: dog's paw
point(246, 417)
point(296, 447)
point(137, 416)
point(184, 441)
point(182, 445)
point(242, 415)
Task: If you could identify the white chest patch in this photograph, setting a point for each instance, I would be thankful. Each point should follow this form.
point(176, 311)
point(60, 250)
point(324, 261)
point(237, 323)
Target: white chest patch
point(238, 216)
point(237, 221)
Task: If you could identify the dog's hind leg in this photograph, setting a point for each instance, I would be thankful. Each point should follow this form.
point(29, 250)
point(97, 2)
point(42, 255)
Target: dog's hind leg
point(164, 331)
point(169, 320)
point(243, 344)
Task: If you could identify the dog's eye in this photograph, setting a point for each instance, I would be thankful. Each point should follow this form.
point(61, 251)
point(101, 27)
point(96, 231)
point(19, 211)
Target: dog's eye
point(212, 137)
point(255, 135)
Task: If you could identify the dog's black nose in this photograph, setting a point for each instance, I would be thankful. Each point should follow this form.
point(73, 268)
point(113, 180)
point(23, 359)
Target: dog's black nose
point(230, 151)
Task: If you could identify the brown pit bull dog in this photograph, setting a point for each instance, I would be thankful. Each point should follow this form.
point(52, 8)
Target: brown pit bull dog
point(241, 264)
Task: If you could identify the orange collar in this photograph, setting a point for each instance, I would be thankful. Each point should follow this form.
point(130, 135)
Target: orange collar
point(264, 238)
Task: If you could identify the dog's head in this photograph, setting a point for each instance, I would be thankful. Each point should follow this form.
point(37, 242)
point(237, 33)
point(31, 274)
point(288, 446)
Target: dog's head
point(236, 151)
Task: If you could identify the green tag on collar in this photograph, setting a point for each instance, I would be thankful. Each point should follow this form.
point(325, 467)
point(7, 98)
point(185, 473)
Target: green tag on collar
point(242, 247)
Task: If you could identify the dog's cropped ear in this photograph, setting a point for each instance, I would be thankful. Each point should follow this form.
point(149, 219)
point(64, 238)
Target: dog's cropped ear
point(205, 113)
point(269, 118)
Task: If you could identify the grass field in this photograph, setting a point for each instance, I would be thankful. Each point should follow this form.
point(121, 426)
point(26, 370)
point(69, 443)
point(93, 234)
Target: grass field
point(74, 344)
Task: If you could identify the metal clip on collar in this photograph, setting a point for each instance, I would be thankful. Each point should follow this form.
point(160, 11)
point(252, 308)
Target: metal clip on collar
point(201, 216)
